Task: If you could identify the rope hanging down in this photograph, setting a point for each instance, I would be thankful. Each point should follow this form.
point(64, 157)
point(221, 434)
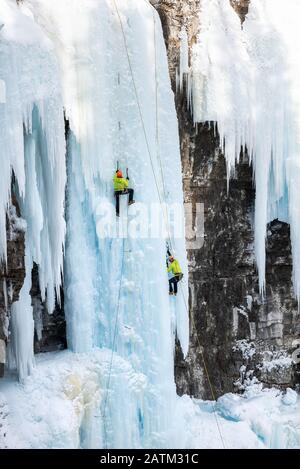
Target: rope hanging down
point(140, 112)
point(159, 195)
point(165, 198)
point(106, 399)
point(156, 113)
point(114, 342)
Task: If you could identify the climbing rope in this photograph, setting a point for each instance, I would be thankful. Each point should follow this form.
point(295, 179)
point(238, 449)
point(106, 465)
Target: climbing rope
point(114, 340)
point(165, 198)
point(139, 109)
point(166, 218)
point(156, 109)
point(206, 372)
point(113, 347)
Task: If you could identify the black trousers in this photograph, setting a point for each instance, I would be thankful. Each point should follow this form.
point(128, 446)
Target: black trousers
point(173, 282)
point(117, 195)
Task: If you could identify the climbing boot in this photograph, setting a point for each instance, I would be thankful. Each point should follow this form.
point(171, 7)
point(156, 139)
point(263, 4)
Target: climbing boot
point(131, 202)
point(171, 293)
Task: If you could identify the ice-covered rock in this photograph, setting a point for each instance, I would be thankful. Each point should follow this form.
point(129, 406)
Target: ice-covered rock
point(290, 397)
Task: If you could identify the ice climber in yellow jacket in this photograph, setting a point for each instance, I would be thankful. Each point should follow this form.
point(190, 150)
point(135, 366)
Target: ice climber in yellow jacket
point(175, 273)
point(121, 187)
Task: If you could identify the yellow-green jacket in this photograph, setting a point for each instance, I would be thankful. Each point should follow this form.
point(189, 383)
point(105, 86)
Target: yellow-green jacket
point(174, 267)
point(120, 183)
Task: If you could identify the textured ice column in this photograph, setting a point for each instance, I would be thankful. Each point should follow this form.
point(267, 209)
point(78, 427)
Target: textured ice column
point(81, 293)
point(22, 326)
point(184, 58)
point(222, 77)
point(269, 121)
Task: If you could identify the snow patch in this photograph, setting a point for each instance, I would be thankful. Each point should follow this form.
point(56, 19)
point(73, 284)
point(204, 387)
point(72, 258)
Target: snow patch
point(290, 397)
point(247, 348)
point(277, 360)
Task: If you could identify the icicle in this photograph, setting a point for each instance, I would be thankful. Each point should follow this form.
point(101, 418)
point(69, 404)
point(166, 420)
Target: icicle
point(2, 92)
point(21, 353)
point(184, 57)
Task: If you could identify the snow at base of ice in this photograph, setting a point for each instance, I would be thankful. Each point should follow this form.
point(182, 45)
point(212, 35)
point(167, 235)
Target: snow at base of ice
point(246, 79)
point(59, 406)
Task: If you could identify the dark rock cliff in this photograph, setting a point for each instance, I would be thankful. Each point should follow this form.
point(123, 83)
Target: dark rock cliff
point(12, 274)
point(241, 7)
point(50, 329)
point(239, 334)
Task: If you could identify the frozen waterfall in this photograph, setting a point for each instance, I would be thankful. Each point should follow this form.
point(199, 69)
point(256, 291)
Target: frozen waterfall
point(106, 69)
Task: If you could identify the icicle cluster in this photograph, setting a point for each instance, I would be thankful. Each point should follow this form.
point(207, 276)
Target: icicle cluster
point(32, 147)
point(247, 80)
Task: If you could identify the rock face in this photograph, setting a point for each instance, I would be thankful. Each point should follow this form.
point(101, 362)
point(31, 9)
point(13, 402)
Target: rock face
point(50, 329)
point(12, 275)
point(241, 7)
point(229, 318)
